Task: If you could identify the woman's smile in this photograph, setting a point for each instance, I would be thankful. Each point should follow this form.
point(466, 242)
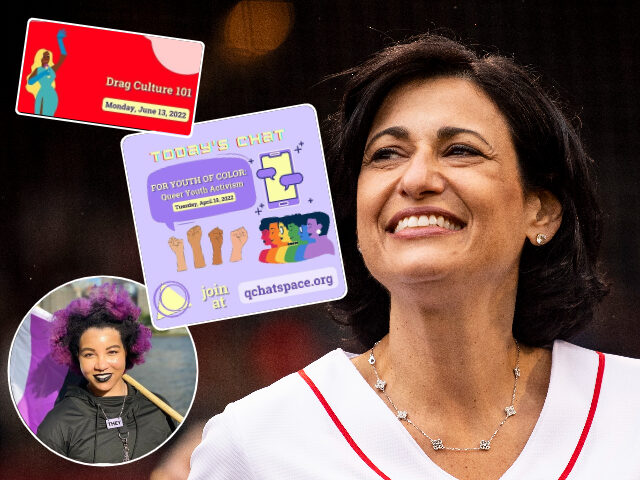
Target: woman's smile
point(419, 221)
point(103, 377)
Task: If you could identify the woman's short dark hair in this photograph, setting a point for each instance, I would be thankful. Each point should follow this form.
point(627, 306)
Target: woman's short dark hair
point(321, 218)
point(559, 283)
point(108, 305)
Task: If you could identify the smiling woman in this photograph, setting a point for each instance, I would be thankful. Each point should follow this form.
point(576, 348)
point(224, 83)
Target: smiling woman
point(470, 235)
point(102, 361)
point(103, 420)
point(457, 164)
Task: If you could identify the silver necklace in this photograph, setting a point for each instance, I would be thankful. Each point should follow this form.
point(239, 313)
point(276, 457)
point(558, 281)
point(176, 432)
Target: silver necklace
point(114, 422)
point(436, 443)
point(123, 433)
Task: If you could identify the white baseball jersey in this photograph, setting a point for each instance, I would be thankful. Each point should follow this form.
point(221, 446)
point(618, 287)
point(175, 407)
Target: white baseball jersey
point(326, 422)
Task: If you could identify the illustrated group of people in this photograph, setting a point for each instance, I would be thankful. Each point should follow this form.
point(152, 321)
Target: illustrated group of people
point(294, 238)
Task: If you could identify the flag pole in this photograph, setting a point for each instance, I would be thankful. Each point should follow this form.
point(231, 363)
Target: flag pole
point(162, 405)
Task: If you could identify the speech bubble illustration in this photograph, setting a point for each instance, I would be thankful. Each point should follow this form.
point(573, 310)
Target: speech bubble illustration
point(204, 188)
point(266, 173)
point(290, 179)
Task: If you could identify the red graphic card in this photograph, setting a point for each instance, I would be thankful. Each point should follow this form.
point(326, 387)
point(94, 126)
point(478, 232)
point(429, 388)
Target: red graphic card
point(109, 77)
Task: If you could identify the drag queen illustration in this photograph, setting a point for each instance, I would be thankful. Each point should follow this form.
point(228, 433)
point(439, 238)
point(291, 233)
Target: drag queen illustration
point(41, 81)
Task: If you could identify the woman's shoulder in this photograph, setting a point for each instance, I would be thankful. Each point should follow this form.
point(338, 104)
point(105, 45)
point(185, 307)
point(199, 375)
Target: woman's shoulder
point(594, 397)
point(148, 412)
point(603, 373)
point(76, 401)
point(68, 415)
point(604, 386)
point(289, 391)
point(573, 355)
point(240, 438)
point(54, 419)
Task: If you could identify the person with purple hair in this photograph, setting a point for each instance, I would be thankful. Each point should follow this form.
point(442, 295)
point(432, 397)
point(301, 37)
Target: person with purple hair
point(103, 420)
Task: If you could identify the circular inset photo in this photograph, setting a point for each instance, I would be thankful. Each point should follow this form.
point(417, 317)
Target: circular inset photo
point(93, 380)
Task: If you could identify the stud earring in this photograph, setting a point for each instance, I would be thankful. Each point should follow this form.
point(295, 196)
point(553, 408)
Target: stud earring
point(541, 239)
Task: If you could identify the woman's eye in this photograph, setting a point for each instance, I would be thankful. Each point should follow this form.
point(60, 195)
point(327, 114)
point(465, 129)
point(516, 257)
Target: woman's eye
point(384, 154)
point(463, 150)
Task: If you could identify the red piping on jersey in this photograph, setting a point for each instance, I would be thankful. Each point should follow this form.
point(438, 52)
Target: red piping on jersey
point(565, 473)
point(338, 424)
point(587, 424)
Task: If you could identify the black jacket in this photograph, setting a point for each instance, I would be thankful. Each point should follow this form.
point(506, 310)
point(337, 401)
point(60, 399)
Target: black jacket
point(76, 427)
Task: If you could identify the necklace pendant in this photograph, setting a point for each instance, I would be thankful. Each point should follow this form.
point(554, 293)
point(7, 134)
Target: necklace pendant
point(114, 422)
point(380, 384)
point(437, 444)
point(485, 444)
point(510, 410)
point(401, 415)
point(124, 438)
point(372, 359)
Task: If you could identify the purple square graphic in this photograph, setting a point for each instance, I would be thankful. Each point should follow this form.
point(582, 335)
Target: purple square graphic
point(236, 219)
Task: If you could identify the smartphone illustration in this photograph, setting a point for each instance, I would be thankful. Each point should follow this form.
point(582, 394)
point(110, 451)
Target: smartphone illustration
point(277, 194)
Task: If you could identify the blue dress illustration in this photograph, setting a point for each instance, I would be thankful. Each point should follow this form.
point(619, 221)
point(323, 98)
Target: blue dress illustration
point(47, 98)
point(41, 80)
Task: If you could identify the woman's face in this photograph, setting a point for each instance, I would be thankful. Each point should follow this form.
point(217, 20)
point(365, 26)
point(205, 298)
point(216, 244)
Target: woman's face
point(304, 234)
point(266, 237)
point(284, 233)
point(313, 228)
point(102, 360)
point(294, 232)
point(439, 192)
point(274, 234)
point(45, 59)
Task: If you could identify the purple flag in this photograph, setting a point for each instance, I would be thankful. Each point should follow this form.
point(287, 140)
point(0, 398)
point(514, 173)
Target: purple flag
point(35, 378)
